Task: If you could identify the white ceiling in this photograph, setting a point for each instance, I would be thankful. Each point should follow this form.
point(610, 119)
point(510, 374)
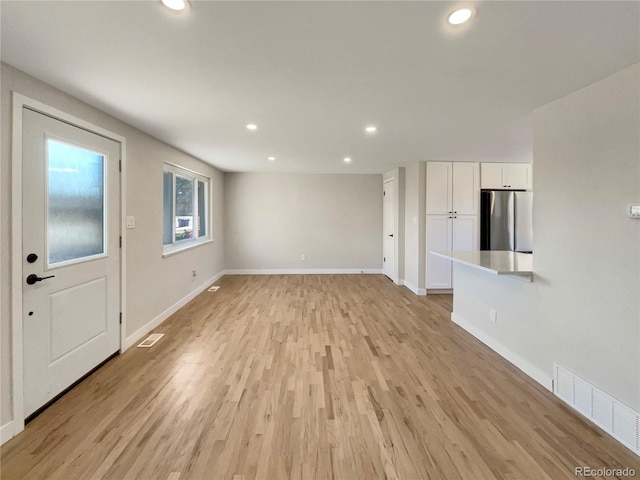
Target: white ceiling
point(312, 75)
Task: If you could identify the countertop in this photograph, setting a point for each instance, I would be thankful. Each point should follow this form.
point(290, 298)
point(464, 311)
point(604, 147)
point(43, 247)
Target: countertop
point(495, 262)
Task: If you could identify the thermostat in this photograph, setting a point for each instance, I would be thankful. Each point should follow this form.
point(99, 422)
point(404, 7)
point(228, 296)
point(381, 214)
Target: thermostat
point(633, 211)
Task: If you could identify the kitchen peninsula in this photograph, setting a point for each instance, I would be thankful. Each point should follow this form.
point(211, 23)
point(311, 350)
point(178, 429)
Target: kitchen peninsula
point(495, 262)
point(496, 301)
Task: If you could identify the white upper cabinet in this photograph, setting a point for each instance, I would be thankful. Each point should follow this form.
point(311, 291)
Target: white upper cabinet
point(439, 180)
point(514, 176)
point(466, 188)
point(518, 175)
point(453, 187)
point(492, 175)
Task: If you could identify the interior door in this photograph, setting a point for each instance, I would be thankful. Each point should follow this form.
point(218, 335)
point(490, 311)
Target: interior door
point(388, 228)
point(71, 264)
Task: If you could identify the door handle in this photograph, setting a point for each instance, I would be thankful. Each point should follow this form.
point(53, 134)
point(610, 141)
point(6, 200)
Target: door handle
point(390, 235)
point(33, 278)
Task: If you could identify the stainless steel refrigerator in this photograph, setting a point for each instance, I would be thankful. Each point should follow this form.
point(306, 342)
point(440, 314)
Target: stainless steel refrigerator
point(506, 220)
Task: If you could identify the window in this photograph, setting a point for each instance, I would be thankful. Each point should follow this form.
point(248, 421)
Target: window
point(185, 209)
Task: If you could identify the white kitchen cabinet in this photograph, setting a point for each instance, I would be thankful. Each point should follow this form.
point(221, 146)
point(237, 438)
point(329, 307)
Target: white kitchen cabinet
point(518, 175)
point(514, 176)
point(439, 187)
point(453, 196)
point(453, 187)
point(491, 175)
point(452, 232)
point(464, 233)
point(438, 239)
point(465, 188)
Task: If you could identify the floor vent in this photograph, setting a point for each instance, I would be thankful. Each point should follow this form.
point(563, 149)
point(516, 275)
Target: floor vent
point(213, 289)
point(617, 419)
point(151, 340)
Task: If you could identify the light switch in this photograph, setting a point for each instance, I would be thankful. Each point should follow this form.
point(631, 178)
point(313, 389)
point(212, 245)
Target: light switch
point(131, 222)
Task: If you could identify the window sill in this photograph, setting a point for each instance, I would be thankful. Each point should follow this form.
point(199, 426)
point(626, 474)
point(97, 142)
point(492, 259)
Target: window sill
point(175, 249)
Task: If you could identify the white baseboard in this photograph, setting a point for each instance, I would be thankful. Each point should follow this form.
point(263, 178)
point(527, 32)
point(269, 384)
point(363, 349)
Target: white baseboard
point(6, 432)
point(302, 271)
point(141, 332)
point(540, 376)
point(414, 289)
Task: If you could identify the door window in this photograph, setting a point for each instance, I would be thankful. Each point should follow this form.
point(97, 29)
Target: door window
point(75, 203)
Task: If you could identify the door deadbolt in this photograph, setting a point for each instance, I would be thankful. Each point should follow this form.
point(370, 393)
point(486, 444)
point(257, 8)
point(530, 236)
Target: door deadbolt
point(32, 257)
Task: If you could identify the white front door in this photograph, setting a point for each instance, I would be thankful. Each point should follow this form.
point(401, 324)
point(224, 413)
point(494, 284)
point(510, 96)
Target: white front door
point(388, 228)
point(71, 264)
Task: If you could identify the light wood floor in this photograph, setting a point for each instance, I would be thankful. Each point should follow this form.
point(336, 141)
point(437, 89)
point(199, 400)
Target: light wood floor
point(304, 377)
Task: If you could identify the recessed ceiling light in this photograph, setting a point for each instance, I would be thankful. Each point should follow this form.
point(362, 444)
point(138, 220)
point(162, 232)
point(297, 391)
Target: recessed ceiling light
point(271, 159)
point(252, 126)
point(176, 5)
point(460, 16)
point(371, 129)
point(347, 159)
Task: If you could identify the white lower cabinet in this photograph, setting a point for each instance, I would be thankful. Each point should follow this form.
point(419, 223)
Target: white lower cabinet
point(438, 239)
point(447, 233)
point(464, 236)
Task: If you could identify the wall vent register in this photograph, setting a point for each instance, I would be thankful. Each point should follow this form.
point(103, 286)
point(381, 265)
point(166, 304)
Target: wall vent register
point(616, 418)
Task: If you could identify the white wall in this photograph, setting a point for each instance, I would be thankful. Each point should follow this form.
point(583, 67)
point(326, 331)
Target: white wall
point(153, 283)
point(414, 227)
point(583, 309)
point(334, 220)
point(587, 251)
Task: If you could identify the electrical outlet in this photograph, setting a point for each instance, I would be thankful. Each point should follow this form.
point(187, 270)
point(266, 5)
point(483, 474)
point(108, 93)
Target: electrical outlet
point(303, 257)
point(194, 273)
point(131, 221)
point(493, 315)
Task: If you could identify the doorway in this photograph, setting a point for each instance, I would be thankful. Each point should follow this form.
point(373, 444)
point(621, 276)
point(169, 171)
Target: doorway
point(388, 230)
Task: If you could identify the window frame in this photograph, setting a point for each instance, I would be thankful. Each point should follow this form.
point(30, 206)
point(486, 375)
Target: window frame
point(177, 246)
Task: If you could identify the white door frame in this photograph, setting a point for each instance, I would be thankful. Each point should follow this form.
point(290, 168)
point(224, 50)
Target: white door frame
point(20, 102)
